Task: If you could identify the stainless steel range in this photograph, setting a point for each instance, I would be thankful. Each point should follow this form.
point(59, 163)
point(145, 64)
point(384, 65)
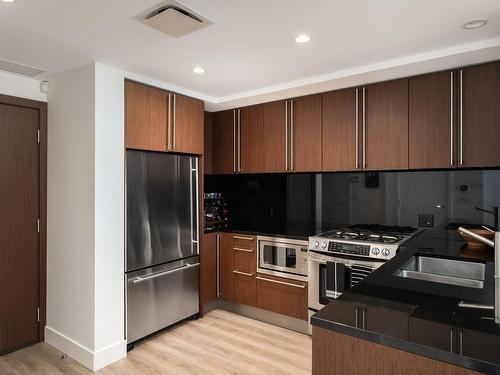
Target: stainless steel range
point(341, 258)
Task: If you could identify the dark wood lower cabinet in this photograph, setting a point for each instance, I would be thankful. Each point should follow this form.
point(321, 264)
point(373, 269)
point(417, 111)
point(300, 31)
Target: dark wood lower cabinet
point(282, 296)
point(346, 312)
point(226, 266)
point(436, 335)
point(479, 345)
point(208, 270)
point(335, 353)
point(244, 288)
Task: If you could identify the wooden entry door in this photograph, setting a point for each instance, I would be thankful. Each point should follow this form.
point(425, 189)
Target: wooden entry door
point(19, 227)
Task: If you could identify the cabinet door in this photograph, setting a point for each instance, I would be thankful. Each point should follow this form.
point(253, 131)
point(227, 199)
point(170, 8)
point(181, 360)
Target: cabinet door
point(479, 345)
point(223, 142)
point(146, 113)
point(207, 152)
point(282, 296)
point(386, 125)
point(187, 125)
point(386, 321)
point(275, 137)
point(226, 265)
point(244, 288)
point(305, 133)
point(431, 121)
point(208, 270)
point(251, 139)
point(340, 130)
point(480, 126)
point(346, 312)
point(435, 335)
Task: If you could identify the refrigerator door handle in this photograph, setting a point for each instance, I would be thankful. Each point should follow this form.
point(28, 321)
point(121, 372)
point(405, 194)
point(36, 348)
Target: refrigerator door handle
point(140, 279)
point(195, 215)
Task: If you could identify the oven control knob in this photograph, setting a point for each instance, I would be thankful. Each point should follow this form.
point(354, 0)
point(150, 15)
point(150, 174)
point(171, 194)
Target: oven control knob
point(324, 245)
point(316, 244)
point(375, 251)
point(385, 252)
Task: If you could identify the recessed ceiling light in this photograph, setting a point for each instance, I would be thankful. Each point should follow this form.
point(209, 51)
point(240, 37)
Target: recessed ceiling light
point(475, 24)
point(198, 70)
point(302, 38)
point(9, 1)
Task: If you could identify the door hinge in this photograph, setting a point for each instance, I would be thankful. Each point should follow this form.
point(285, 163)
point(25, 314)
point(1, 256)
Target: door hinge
point(38, 225)
point(38, 136)
point(38, 314)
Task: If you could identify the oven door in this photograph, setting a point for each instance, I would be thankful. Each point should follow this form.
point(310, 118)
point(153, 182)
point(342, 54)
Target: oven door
point(282, 257)
point(330, 276)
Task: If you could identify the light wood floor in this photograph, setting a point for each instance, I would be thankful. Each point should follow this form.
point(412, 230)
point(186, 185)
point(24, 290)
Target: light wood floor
point(220, 343)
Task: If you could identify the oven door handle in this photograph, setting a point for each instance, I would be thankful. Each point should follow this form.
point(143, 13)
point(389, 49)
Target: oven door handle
point(317, 260)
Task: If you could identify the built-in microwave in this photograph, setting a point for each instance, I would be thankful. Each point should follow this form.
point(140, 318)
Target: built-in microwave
point(282, 257)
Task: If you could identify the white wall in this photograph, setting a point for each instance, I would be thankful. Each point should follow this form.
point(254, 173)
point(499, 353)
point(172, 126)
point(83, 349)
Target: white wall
point(70, 207)
point(85, 247)
point(22, 87)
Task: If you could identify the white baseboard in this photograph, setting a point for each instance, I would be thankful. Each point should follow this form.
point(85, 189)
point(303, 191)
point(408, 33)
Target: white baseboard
point(88, 358)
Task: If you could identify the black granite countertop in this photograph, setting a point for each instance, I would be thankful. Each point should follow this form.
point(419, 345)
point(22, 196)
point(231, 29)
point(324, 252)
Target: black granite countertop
point(432, 301)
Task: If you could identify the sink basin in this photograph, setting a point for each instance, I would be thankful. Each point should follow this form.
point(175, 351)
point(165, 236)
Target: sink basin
point(444, 271)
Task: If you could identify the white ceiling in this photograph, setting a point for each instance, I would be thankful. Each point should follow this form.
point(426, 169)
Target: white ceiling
point(249, 52)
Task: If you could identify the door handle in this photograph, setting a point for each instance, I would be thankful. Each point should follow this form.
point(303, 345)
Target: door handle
point(245, 250)
point(243, 238)
point(243, 273)
point(292, 167)
point(281, 282)
point(461, 342)
point(451, 340)
point(364, 127)
point(451, 119)
point(356, 316)
point(356, 132)
point(140, 279)
point(174, 122)
point(217, 259)
point(363, 317)
point(286, 135)
point(169, 120)
point(234, 141)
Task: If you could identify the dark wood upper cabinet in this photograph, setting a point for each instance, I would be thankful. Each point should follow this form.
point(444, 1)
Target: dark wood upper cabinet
point(187, 125)
point(250, 139)
point(305, 134)
point(432, 107)
point(207, 153)
point(226, 266)
point(275, 136)
point(480, 120)
point(340, 130)
point(223, 142)
point(386, 125)
point(146, 113)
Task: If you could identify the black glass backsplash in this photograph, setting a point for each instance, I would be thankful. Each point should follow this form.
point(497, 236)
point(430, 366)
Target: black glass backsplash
point(308, 203)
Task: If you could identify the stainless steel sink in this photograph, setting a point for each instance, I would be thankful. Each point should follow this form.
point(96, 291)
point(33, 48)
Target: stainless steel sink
point(444, 271)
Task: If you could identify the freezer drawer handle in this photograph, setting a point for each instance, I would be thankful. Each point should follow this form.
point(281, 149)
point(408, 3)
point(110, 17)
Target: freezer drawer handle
point(139, 279)
point(240, 249)
point(243, 273)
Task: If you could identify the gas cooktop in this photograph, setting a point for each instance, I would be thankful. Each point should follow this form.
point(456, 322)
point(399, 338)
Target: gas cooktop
point(365, 240)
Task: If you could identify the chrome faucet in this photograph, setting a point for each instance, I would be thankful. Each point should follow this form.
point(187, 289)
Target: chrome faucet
point(496, 245)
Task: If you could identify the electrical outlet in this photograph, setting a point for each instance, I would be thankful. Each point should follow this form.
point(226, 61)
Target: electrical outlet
point(426, 220)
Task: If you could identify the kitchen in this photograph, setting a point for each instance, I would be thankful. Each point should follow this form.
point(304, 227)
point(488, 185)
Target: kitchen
point(255, 216)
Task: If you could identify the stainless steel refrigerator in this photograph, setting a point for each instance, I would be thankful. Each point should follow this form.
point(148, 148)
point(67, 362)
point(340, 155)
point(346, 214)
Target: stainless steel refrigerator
point(162, 263)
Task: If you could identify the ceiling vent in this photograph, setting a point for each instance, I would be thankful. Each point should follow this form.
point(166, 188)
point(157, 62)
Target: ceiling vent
point(176, 20)
point(25, 70)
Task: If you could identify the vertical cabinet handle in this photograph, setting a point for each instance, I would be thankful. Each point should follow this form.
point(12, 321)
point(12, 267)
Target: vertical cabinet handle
point(286, 135)
point(291, 136)
point(461, 342)
point(169, 120)
point(461, 119)
point(451, 119)
point(174, 122)
point(217, 257)
point(239, 140)
point(451, 340)
point(363, 317)
point(364, 127)
point(356, 316)
point(356, 131)
point(234, 141)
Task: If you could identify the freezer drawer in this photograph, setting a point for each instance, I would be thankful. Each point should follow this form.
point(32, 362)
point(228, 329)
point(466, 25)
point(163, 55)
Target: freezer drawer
point(161, 296)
